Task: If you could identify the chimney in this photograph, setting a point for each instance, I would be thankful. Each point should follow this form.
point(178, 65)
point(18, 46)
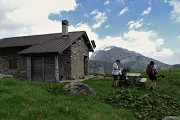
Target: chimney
point(65, 28)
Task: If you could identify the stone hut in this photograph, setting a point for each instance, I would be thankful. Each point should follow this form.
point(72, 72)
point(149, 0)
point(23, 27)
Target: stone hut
point(47, 57)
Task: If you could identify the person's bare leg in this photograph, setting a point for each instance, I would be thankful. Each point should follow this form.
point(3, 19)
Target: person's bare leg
point(154, 84)
point(113, 82)
point(151, 87)
point(116, 83)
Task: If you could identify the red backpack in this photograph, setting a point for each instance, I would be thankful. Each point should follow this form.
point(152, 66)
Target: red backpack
point(150, 70)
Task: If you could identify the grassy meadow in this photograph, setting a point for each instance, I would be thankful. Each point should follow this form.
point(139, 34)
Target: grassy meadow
point(24, 100)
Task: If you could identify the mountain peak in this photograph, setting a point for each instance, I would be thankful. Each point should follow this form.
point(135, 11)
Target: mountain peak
point(107, 48)
point(130, 59)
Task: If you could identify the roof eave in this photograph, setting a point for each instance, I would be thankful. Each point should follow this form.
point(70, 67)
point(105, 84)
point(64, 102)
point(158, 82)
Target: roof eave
point(89, 44)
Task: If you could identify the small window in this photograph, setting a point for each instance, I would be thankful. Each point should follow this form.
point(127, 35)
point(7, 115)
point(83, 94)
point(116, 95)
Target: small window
point(13, 64)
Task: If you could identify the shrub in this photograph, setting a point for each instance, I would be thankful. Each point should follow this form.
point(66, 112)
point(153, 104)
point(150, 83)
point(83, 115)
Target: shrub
point(148, 106)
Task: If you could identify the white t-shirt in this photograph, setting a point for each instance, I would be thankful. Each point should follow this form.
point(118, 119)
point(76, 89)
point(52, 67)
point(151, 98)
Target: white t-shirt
point(115, 66)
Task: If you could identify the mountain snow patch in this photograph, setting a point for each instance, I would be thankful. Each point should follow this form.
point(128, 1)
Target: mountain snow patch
point(108, 48)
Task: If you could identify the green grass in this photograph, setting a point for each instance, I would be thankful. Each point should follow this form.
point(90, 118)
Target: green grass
point(32, 100)
point(21, 99)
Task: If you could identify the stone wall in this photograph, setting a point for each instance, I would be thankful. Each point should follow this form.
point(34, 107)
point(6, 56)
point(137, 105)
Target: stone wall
point(7, 54)
point(79, 51)
point(65, 65)
point(71, 61)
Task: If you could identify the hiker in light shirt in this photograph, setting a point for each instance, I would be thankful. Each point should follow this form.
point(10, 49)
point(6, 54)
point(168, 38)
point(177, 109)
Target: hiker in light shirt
point(115, 73)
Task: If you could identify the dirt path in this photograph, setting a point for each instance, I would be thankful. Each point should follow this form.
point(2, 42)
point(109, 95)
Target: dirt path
point(3, 75)
point(79, 80)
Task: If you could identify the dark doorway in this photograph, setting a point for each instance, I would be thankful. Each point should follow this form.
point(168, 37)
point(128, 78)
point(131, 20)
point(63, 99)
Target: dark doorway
point(49, 69)
point(85, 65)
point(43, 69)
point(36, 69)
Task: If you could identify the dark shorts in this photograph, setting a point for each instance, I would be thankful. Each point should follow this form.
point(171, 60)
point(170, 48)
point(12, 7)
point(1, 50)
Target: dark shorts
point(115, 77)
point(122, 77)
point(153, 77)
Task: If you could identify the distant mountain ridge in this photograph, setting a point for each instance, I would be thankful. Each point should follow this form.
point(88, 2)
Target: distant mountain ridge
point(133, 60)
point(176, 66)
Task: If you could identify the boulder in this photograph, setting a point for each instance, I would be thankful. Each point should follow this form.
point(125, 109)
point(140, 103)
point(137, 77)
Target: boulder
point(79, 88)
point(171, 118)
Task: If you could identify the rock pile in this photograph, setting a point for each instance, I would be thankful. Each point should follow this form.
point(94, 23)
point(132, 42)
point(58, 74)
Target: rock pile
point(79, 88)
point(171, 118)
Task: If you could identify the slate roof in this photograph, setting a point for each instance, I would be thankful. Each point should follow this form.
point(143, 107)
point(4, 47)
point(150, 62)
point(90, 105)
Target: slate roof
point(45, 43)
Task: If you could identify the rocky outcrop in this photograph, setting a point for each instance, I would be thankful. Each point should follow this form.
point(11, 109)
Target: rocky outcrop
point(171, 118)
point(79, 88)
point(129, 59)
point(100, 67)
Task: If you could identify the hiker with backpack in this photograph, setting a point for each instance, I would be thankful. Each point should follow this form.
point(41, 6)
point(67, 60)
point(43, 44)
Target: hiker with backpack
point(152, 73)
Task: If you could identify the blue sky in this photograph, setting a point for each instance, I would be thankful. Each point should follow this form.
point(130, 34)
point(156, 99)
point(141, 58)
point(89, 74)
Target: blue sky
point(149, 27)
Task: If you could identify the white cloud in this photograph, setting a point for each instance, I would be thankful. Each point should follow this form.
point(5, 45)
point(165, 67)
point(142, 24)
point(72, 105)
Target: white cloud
point(108, 10)
point(107, 2)
point(123, 11)
point(114, 41)
point(84, 27)
point(86, 15)
point(143, 42)
point(25, 17)
point(135, 24)
point(79, 5)
point(178, 36)
point(145, 12)
point(99, 17)
point(107, 26)
point(175, 13)
point(164, 53)
point(120, 1)
point(159, 41)
point(164, 56)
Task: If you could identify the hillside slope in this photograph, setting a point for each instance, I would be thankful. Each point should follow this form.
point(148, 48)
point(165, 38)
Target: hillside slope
point(130, 59)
